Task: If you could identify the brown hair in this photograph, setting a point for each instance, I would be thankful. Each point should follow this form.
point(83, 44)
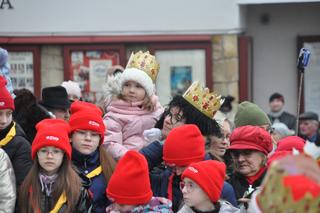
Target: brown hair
point(67, 181)
point(107, 162)
point(147, 103)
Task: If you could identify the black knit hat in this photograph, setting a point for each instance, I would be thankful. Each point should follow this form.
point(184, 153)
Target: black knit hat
point(55, 98)
point(276, 96)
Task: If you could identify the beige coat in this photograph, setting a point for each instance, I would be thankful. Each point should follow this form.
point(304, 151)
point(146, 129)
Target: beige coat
point(7, 184)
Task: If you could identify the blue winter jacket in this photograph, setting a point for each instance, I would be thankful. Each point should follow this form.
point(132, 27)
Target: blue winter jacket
point(86, 164)
point(160, 179)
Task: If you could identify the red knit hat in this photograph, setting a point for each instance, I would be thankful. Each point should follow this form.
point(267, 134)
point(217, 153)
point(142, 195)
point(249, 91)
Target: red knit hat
point(6, 100)
point(209, 175)
point(52, 132)
point(184, 145)
point(130, 183)
point(300, 185)
point(251, 137)
point(86, 116)
point(290, 142)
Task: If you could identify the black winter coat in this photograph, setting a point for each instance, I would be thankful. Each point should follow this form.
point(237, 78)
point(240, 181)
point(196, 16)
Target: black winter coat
point(241, 185)
point(84, 204)
point(286, 118)
point(19, 152)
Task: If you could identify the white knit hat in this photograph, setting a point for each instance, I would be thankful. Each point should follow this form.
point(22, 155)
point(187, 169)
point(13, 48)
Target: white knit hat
point(72, 88)
point(134, 74)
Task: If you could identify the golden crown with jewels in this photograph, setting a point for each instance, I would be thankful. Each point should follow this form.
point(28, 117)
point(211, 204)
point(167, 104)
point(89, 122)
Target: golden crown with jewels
point(276, 197)
point(146, 62)
point(201, 98)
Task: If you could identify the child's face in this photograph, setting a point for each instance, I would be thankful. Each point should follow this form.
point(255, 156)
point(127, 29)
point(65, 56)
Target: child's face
point(193, 195)
point(85, 141)
point(133, 91)
point(123, 208)
point(50, 159)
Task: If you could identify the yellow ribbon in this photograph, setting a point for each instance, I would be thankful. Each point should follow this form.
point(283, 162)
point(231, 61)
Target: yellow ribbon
point(97, 171)
point(9, 136)
point(62, 199)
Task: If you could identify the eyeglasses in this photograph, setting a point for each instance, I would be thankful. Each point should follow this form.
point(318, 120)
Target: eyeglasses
point(174, 118)
point(245, 153)
point(187, 187)
point(42, 153)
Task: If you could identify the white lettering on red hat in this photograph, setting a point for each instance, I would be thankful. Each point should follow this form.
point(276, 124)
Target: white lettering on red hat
point(52, 138)
point(2, 103)
point(194, 170)
point(93, 123)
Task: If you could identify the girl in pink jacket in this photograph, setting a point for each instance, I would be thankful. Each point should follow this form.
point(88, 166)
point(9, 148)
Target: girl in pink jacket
point(136, 107)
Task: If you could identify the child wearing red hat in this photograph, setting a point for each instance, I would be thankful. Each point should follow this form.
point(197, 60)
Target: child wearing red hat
point(52, 184)
point(88, 155)
point(184, 145)
point(130, 190)
point(12, 138)
point(201, 188)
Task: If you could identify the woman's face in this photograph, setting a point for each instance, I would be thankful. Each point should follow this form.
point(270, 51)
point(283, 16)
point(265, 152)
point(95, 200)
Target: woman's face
point(247, 162)
point(85, 141)
point(193, 195)
point(219, 145)
point(50, 159)
point(174, 118)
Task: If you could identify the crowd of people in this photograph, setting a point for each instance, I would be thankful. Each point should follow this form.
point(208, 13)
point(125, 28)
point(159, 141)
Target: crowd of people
point(130, 154)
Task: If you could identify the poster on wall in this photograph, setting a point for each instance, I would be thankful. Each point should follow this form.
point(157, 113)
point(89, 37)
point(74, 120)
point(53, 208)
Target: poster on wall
point(89, 69)
point(180, 79)
point(178, 69)
point(21, 70)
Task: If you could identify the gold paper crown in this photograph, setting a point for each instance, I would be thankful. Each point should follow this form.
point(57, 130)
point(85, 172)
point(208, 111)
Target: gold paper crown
point(275, 197)
point(145, 62)
point(206, 102)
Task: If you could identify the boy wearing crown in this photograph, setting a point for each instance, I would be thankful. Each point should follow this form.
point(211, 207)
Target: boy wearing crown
point(135, 108)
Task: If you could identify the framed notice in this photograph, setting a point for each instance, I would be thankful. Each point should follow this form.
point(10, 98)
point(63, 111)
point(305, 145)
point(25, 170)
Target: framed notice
point(25, 68)
point(88, 66)
point(21, 70)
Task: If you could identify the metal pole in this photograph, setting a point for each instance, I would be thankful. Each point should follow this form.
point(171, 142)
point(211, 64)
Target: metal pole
point(299, 100)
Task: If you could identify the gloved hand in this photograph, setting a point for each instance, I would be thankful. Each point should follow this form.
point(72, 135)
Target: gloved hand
point(153, 134)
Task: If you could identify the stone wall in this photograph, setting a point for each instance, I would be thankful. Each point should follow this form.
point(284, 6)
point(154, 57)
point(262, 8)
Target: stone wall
point(51, 65)
point(225, 65)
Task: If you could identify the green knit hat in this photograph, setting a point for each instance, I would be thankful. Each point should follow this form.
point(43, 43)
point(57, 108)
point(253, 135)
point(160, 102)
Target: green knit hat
point(250, 114)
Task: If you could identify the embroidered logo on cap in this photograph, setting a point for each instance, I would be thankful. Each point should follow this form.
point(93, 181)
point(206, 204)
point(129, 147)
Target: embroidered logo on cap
point(194, 170)
point(2, 103)
point(52, 138)
point(93, 123)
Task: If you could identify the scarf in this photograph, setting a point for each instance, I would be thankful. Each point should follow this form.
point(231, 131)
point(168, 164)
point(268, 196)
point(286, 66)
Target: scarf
point(252, 179)
point(47, 182)
point(4, 132)
point(276, 115)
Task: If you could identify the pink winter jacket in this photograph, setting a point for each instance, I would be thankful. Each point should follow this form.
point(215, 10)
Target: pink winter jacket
point(125, 123)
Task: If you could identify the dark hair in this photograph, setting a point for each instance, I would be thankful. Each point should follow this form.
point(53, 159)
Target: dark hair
point(207, 126)
point(226, 106)
point(276, 96)
point(67, 181)
point(27, 112)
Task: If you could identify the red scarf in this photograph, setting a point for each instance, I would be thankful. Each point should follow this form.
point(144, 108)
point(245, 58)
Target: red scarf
point(170, 187)
point(252, 179)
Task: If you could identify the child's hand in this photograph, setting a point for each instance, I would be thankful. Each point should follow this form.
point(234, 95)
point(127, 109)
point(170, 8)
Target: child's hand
point(153, 134)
